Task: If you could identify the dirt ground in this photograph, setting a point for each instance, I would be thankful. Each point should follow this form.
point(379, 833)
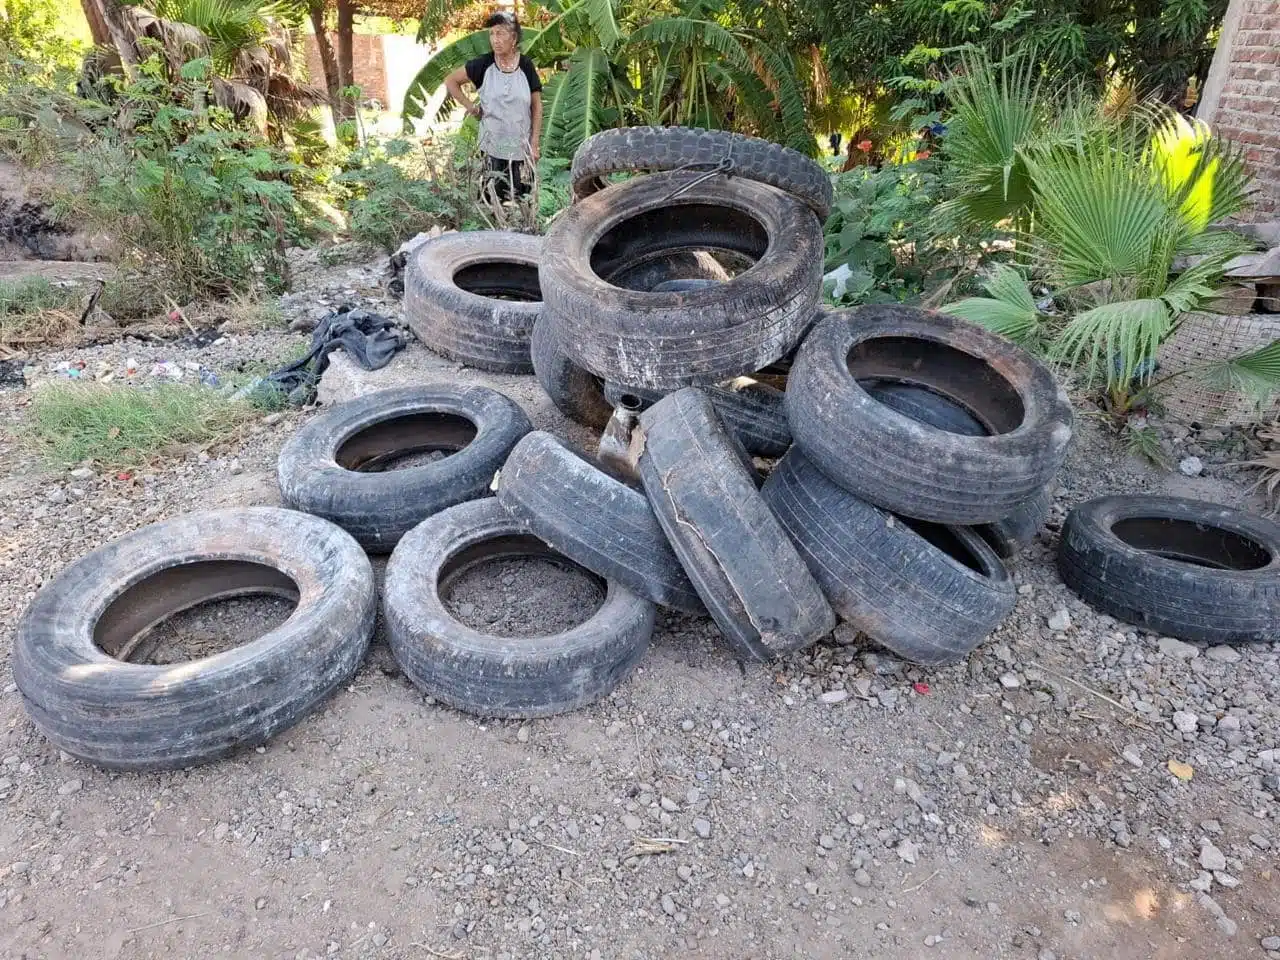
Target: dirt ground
point(838, 804)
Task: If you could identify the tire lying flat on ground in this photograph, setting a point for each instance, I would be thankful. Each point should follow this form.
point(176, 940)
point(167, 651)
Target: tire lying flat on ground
point(474, 297)
point(740, 560)
point(492, 676)
point(753, 412)
point(652, 149)
point(927, 592)
point(668, 340)
point(594, 520)
point(334, 466)
point(131, 716)
point(1183, 568)
point(901, 464)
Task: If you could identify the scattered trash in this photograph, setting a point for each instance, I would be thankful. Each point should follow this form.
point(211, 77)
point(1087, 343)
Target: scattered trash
point(1183, 771)
point(167, 369)
point(921, 688)
point(370, 339)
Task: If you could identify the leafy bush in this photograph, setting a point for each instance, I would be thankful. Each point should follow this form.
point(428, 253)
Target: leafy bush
point(396, 191)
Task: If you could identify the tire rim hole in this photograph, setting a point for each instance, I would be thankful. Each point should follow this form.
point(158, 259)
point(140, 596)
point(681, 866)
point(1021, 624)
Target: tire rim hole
point(896, 395)
point(498, 280)
point(960, 377)
point(515, 586)
point(402, 443)
point(946, 540)
point(1196, 544)
point(734, 237)
point(195, 610)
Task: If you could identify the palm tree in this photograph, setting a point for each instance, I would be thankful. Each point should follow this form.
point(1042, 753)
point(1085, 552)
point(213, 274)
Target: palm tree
point(646, 62)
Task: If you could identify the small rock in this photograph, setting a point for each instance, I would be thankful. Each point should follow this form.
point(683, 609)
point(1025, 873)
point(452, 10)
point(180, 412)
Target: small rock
point(887, 698)
point(686, 725)
point(83, 473)
point(1271, 943)
point(668, 905)
point(56, 495)
point(1259, 841)
point(1225, 923)
point(1191, 467)
point(236, 468)
point(1071, 916)
point(522, 735)
point(827, 842)
point(70, 787)
point(1060, 620)
point(861, 877)
point(669, 805)
point(722, 901)
point(1010, 681)
point(1046, 954)
point(379, 939)
point(1177, 649)
point(1185, 722)
point(1203, 883)
point(519, 848)
point(702, 827)
point(1223, 654)
point(20, 868)
point(259, 903)
point(632, 822)
point(1211, 858)
point(749, 870)
point(220, 831)
point(271, 419)
point(1131, 755)
point(834, 696)
point(908, 850)
point(1226, 879)
point(1026, 590)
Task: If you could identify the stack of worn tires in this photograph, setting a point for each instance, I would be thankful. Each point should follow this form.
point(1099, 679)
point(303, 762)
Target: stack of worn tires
point(771, 465)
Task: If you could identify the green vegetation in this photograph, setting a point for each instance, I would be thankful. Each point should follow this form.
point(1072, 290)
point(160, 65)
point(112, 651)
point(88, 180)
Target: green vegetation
point(125, 426)
point(35, 311)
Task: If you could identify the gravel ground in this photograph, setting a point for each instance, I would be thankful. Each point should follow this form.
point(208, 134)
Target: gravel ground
point(839, 803)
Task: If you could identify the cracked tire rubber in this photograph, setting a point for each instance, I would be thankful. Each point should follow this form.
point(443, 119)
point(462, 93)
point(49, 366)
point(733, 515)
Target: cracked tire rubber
point(1182, 568)
point(668, 340)
point(653, 149)
point(579, 394)
point(594, 520)
point(508, 677)
point(745, 569)
point(332, 467)
point(1005, 535)
point(753, 412)
point(898, 581)
point(474, 297)
point(911, 468)
point(132, 716)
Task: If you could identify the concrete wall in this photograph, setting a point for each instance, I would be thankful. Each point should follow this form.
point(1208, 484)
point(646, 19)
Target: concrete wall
point(1241, 97)
point(384, 66)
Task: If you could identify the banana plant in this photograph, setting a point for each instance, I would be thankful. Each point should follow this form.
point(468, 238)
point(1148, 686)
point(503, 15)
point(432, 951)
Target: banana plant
point(619, 62)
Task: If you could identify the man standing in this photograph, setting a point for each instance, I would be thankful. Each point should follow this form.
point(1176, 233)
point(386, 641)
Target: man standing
point(509, 107)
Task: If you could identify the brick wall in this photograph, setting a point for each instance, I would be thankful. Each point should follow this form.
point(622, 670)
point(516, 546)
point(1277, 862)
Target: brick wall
point(1242, 95)
point(366, 62)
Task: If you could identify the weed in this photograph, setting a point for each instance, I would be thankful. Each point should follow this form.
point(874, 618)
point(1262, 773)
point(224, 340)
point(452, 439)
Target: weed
point(120, 426)
point(1144, 442)
point(33, 310)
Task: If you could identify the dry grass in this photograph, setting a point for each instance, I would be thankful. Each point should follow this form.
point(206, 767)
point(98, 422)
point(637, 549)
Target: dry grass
point(1268, 462)
point(34, 311)
point(121, 426)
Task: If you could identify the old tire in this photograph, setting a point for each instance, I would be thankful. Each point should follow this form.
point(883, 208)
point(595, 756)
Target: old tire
point(594, 520)
point(901, 464)
point(130, 716)
point(680, 266)
point(474, 297)
point(330, 466)
point(653, 149)
point(491, 676)
point(1183, 568)
point(1005, 535)
point(753, 412)
point(668, 340)
point(746, 571)
point(927, 592)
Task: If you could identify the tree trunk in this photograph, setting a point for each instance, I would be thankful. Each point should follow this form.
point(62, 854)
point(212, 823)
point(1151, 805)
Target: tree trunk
point(97, 17)
point(329, 63)
point(346, 58)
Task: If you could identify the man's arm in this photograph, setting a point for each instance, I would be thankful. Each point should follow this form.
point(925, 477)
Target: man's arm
point(536, 126)
point(453, 83)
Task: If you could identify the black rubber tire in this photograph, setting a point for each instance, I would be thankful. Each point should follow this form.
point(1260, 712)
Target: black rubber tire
point(509, 677)
point(456, 290)
point(668, 340)
point(1137, 579)
point(891, 578)
point(746, 571)
point(594, 520)
point(911, 468)
point(1005, 535)
point(651, 149)
point(132, 716)
point(324, 468)
point(683, 265)
point(753, 412)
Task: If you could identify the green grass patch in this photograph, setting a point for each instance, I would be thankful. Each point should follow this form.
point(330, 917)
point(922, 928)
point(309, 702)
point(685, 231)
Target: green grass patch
point(120, 426)
point(34, 310)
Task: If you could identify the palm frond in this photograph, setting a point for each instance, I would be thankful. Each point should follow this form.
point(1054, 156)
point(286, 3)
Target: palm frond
point(435, 18)
point(1121, 336)
point(1010, 310)
point(576, 102)
point(795, 123)
point(1204, 175)
point(1255, 374)
point(432, 75)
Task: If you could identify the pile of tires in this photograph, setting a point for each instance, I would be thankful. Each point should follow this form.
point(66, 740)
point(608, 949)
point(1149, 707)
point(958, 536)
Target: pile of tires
point(775, 467)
